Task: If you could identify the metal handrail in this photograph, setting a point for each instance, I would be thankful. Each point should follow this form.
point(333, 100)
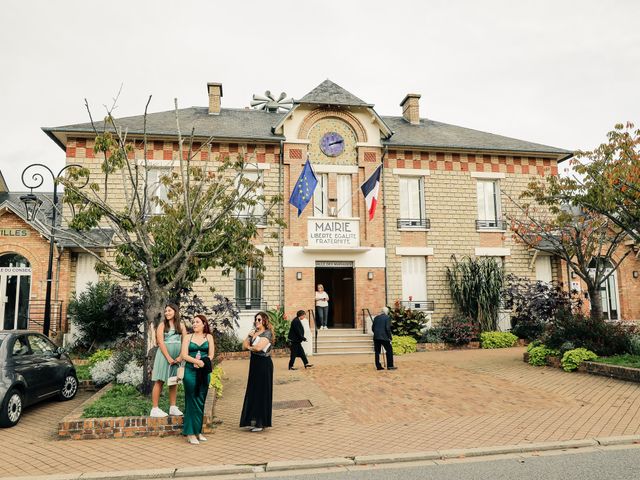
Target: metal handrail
point(312, 318)
point(36, 315)
point(364, 320)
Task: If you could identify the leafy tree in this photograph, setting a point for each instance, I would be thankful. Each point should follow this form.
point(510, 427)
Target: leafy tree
point(201, 225)
point(586, 240)
point(607, 179)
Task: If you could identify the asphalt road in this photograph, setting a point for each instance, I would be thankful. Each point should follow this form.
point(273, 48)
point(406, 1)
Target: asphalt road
point(614, 463)
point(618, 464)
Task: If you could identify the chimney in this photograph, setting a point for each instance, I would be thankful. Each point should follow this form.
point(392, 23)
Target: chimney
point(411, 108)
point(215, 94)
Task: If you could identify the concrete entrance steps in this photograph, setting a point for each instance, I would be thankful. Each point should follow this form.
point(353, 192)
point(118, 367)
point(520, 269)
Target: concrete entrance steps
point(344, 341)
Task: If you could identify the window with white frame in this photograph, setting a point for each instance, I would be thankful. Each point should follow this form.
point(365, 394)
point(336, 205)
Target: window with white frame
point(543, 269)
point(344, 196)
point(412, 211)
point(255, 178)
point(414, 282)
point(489, 205)
point(156, 189)
point(248, 289)
point(321, 196)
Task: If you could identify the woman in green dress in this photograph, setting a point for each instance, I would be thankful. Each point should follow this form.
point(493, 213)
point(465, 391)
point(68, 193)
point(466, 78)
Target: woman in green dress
point(197, 351)
point(168, 358)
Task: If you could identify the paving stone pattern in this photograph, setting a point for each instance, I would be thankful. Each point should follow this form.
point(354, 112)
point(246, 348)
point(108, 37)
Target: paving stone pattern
point(435, 400)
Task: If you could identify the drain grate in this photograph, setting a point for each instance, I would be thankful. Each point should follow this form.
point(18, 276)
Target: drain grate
point(292, 404)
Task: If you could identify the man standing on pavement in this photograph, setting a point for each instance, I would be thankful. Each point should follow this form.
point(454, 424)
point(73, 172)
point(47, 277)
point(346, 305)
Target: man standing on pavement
point(296, 337)
point(382, 338)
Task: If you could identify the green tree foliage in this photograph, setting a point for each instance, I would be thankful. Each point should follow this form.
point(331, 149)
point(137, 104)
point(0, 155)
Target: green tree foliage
point(476, 287)
point(202, 222)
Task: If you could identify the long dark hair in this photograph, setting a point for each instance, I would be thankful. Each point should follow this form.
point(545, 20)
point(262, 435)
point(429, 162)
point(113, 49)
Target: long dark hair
point(267, 325)
point(205, 329)
point(177, 323)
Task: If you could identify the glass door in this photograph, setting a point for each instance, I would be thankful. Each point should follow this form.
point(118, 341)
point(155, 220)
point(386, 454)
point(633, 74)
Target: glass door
point(15, 291)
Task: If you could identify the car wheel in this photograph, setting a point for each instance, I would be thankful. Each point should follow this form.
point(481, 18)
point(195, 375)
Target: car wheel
point(69, 387)
point(11, 408)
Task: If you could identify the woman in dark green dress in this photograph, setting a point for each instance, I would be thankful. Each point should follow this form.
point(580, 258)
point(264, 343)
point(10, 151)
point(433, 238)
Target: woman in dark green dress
point(197, 351)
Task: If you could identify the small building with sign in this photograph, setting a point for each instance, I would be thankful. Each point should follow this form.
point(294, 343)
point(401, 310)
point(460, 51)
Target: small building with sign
point(443, 193)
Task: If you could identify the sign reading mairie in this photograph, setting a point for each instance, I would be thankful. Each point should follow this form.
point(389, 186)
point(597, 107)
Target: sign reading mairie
point(13, 232)
point(333, 232)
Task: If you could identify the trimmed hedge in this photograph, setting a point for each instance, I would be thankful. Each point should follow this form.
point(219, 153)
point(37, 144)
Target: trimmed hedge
point(402, 345)
point(497, 339)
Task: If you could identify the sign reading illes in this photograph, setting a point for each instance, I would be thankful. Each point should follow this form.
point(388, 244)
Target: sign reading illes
point(13, 232)
point(333, 232)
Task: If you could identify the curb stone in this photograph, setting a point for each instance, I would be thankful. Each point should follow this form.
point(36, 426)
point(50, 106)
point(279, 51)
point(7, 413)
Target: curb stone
point(396, 457)
point(304, 464)
point(214, 470)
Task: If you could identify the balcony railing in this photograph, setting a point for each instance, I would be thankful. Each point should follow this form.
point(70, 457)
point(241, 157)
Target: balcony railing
point(251, 304)
point(491, 225)
point(257, 219)
point(424, 305)
point(414, 223)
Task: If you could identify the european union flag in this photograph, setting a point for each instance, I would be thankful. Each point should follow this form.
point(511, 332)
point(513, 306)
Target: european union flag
point(303, 190)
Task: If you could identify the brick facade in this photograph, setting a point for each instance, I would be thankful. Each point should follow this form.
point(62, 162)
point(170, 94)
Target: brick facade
point(450, 177)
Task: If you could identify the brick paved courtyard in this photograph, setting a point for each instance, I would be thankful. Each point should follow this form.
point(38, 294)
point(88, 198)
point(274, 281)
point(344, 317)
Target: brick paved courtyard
point(435, 400)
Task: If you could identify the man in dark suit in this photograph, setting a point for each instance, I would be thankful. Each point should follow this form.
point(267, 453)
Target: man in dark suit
point(296, 337)
point(382, 338)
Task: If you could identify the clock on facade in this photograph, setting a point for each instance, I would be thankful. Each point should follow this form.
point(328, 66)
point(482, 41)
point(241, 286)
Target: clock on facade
point(332, 144)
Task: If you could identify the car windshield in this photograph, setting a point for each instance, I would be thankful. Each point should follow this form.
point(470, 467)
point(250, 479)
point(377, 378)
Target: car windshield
point(2, 337)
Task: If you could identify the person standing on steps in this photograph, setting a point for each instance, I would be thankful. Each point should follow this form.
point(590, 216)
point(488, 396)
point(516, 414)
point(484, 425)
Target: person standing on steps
point(322, 307)
point(296, 337)
point(382, 338)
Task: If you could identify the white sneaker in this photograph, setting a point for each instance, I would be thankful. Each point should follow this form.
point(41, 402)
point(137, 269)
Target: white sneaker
point(193, 440)
point(173, 410)
point(202, 438)
point(158, 413)
point(256, 429)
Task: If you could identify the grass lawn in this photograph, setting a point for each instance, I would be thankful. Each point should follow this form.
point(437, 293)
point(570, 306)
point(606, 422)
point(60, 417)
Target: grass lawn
point(127, 401)
point(625, 360)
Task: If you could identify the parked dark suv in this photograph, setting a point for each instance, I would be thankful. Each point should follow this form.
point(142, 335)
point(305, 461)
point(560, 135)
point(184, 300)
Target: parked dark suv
point(32, 368)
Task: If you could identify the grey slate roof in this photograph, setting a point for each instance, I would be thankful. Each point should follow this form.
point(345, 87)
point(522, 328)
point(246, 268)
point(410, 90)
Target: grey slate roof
point(229, 123)
point(93, 238)
point(329, 93)
point(430, 133)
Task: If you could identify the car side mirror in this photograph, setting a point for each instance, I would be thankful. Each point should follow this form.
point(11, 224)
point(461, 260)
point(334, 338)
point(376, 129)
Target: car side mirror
point(61, 350)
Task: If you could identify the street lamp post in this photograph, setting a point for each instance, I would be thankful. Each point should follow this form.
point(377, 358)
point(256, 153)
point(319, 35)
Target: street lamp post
point(32, 204)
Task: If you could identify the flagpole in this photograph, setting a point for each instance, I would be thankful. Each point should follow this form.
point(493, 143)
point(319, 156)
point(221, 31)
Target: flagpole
point(384, 227)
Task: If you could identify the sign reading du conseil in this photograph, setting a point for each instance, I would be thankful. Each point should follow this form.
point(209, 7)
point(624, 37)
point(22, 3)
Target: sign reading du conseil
point(333, 232)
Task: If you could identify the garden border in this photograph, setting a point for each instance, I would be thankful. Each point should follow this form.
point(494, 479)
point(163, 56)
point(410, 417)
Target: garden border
point(75, 427)
point(619, 372)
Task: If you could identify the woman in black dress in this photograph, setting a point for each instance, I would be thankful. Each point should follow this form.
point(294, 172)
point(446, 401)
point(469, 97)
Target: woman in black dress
point(258, 399)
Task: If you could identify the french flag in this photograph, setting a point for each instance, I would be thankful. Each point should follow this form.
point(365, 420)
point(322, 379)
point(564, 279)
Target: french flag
point(370, 189)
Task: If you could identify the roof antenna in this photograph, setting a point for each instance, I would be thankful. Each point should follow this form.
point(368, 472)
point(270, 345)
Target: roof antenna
point(269, 103)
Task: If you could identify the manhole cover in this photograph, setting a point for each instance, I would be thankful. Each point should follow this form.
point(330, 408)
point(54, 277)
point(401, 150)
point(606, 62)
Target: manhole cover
point(292, 404)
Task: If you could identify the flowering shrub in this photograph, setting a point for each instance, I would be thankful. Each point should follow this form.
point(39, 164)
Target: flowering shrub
point(458, 330)
point(131, 375)
point(406, 322)
point(497, 339)
point(572, 359)
point(402, 345)
point(103, 372)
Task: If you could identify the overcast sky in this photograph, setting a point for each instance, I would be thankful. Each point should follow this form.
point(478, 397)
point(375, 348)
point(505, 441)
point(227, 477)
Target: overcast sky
point(561, 73)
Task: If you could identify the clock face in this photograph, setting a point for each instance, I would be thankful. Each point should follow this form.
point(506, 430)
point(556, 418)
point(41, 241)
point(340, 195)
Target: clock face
point(332, 144)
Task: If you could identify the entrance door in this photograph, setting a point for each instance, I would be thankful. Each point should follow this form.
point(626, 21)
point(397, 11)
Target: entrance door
point(15, 289)
point(339, 283)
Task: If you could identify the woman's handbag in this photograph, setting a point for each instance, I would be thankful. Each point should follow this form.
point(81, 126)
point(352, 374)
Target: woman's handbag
point(178, 377)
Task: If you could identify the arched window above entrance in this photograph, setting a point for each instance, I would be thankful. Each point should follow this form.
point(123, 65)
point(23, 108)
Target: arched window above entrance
point(13, 260)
